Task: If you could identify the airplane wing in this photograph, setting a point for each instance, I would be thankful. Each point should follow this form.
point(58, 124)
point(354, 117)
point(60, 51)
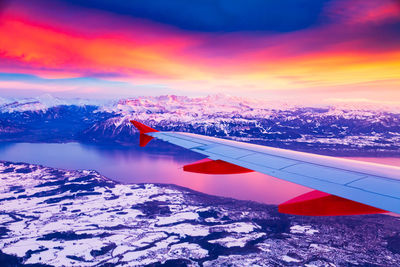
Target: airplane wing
point(343, 186)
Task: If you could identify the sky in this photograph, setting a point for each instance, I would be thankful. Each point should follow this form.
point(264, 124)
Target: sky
point(307, 50)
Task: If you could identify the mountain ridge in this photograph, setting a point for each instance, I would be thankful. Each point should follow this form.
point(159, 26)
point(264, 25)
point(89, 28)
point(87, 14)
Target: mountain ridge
point(320, 129)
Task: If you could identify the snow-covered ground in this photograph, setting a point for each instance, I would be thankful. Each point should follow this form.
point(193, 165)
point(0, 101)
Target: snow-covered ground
point(80, 218)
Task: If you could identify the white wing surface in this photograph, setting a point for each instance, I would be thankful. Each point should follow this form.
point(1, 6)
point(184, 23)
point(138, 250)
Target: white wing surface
point(368, 183)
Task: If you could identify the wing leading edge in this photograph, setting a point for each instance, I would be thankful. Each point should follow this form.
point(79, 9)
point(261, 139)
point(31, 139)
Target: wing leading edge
point(371, 184)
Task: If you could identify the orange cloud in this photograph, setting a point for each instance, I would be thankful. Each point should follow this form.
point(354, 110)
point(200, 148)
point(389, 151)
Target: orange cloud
point(45, 50)
point(139, 52)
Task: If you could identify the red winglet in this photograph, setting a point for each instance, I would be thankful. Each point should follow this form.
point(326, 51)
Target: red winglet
point(143, 129)
point(317, 203)
point(209, 166)
point(144, 139)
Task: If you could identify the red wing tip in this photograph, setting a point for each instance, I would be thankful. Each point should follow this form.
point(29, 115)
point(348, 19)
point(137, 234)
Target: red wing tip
point(143, 128)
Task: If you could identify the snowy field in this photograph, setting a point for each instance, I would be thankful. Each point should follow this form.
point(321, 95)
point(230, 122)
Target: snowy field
point(80, 218)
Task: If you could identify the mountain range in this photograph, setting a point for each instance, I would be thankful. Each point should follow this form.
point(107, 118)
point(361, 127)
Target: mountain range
point(340, 129)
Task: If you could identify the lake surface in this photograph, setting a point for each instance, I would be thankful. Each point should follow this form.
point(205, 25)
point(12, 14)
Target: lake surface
point(157, 163)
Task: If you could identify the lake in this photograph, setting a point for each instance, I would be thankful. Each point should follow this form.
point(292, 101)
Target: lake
point(157, 163)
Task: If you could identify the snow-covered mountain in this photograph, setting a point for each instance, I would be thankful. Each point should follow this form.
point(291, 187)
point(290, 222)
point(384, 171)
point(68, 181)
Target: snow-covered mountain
point(322, 128)
point(257, 121)
point(42, 103)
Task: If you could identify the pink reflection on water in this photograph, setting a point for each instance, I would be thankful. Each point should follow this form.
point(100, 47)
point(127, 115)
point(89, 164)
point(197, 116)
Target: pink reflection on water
point(168, 169)
point(250, 186)
point(135, 165)
point(386, 161)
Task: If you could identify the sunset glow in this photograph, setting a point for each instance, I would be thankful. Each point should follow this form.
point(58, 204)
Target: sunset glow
point(350, 50)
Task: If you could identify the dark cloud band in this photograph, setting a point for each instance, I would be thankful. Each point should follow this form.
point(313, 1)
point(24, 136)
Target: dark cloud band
point(219, 15)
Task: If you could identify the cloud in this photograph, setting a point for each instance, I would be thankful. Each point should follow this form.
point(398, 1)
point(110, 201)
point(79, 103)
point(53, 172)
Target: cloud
point(217, 15)
point(352, 12)
point(345, 47)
